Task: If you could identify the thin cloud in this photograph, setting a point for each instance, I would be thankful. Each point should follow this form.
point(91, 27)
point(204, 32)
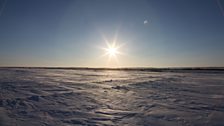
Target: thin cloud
point(220, 7)
point(145, 22)
point(3, 7)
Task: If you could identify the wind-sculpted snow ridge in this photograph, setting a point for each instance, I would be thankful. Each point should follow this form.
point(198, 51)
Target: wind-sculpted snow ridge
point(60, 97)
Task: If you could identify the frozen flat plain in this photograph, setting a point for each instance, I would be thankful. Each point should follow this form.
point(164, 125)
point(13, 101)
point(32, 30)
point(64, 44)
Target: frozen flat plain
point(63, 97)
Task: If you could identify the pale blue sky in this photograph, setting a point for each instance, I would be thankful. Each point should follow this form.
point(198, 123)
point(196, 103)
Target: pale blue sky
point(70, 32)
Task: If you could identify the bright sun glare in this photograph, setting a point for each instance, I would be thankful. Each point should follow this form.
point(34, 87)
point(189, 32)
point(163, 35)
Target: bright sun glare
point(112, 51)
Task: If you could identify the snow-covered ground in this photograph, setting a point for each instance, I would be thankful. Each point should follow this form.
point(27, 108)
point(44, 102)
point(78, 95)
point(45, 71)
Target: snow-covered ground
point(57, 97)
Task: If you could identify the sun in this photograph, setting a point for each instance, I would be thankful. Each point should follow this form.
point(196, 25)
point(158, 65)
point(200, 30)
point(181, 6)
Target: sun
point(112, 51)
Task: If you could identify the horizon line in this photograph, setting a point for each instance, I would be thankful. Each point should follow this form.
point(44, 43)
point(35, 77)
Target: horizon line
point(117, 68)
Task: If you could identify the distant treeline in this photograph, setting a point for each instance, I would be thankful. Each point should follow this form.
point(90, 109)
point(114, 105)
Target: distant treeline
point(172, 69)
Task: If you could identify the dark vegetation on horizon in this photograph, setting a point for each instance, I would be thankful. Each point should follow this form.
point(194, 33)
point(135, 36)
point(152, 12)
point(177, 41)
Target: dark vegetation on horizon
point(150, 69)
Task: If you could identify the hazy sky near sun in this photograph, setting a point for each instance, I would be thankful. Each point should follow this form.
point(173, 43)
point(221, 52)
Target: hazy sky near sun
point(70, 33)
